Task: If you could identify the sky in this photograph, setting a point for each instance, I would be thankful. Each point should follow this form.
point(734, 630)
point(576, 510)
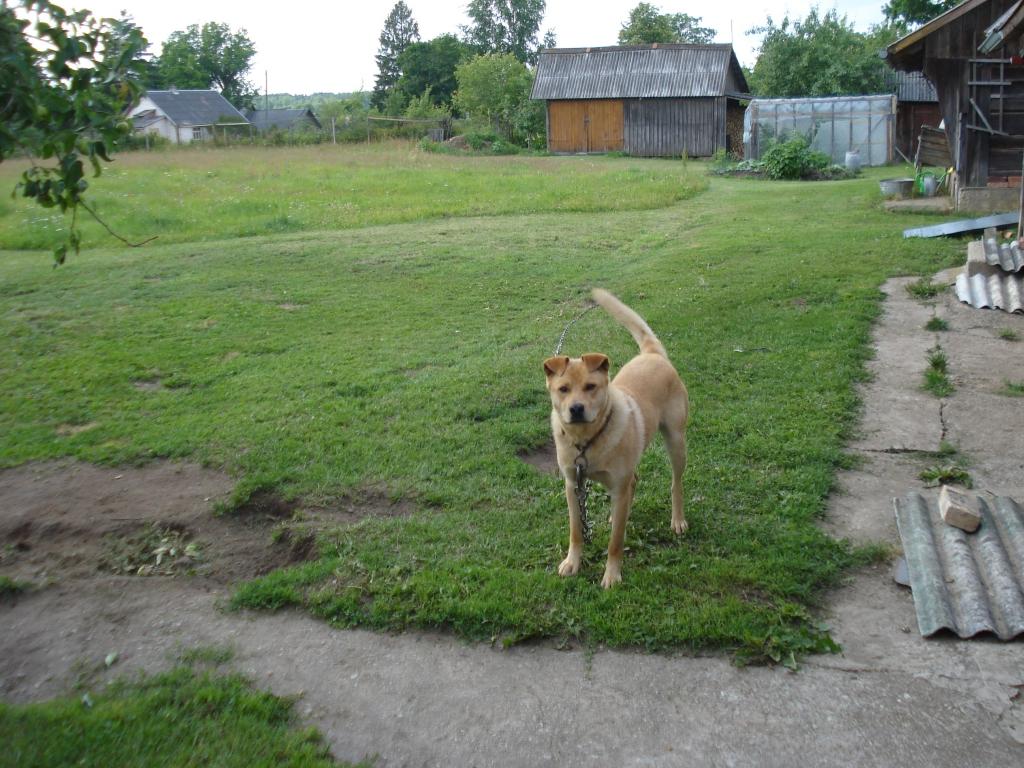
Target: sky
point(329, 46)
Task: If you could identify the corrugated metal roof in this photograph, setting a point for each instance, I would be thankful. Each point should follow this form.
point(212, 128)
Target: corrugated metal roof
point(635, 72)
point(196, 107)
point(1005, 255)
point(283, 119)
point(965, 582)
point(912, 86)
point(992, 289)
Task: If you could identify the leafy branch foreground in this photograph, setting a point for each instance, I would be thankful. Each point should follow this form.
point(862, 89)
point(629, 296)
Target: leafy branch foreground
point(402, 362)
point(66, 79)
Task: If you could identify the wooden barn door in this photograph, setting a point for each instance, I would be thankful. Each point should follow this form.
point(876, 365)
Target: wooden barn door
point(585, 126)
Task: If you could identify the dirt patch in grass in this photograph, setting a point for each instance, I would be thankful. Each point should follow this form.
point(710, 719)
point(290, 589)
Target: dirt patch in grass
point(543, 458)
point(66, 522)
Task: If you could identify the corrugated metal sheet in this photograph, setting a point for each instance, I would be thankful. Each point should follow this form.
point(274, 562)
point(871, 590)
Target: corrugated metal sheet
point(963, 226)
point(994, 289)
point(965, 582)
point(667, 127)
point(999, 253)
point(634, 72)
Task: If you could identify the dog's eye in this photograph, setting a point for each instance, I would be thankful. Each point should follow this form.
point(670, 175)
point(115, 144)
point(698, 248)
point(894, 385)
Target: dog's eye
point(563, 388)
point(590, 386)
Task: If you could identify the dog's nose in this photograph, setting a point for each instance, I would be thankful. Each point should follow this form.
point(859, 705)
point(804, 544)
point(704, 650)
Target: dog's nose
point(576, 411)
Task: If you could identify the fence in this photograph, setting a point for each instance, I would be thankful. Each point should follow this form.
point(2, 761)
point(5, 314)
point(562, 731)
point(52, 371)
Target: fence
point(834, 125)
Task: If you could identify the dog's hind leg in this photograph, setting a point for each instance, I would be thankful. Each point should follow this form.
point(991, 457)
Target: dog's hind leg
point(675, 443)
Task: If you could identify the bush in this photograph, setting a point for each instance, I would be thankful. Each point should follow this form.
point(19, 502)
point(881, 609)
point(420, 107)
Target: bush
point(793, 159)
point(140, 141)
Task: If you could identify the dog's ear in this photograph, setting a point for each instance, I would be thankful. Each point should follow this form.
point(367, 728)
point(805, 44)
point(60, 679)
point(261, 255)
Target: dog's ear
point(596, 362)
point(555, 366)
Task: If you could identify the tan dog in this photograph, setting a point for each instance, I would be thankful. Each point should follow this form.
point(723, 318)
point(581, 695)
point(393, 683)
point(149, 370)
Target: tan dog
point(606, 425)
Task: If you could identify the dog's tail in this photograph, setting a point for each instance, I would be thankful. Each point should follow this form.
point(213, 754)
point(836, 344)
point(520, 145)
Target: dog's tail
point(638, 329)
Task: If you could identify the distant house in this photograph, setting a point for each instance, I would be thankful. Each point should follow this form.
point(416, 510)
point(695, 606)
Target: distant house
point(284, 120)
point(972, 55)
point(649, 100)
point(184, 116)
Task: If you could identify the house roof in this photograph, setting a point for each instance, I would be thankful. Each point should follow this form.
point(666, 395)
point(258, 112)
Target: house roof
point(638, 72)
point(905, 52)
point(282, 119)
point(196, 107)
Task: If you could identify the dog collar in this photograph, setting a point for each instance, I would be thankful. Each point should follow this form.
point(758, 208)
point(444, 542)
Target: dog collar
point(582, 449)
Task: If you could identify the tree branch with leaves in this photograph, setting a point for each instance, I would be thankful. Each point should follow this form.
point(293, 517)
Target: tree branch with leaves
point(66, 81)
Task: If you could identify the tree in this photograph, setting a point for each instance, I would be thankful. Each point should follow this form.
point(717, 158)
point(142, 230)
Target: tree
point(400, 31)
point(818, 56)
point(210, 57)
point(506, 26)
point(647, 25)
point(496, 88)
point(66, 80)
point(428, 65)
point(916, 11)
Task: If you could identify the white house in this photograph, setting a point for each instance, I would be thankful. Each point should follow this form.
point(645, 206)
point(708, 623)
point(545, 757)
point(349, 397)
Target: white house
point(184, 116)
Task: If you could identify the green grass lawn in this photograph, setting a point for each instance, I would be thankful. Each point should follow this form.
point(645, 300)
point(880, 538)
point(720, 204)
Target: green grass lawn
point(401, 355)
point(214, 194)
point(179, 718)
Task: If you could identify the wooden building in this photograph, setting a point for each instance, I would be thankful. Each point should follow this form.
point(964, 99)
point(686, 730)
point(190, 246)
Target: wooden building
point(972, 55)
point(650, 100)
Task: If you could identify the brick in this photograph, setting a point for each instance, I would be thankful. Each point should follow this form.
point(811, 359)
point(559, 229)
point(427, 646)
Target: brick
point(959, 509)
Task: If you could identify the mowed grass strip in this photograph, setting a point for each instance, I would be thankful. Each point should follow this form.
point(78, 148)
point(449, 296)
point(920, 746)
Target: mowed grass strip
point(181, 717)
point(184, 195)
point(405, 360)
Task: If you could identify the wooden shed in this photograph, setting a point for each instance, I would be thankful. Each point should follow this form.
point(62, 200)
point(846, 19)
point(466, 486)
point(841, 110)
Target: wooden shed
point(649, 100)
point(972, 55)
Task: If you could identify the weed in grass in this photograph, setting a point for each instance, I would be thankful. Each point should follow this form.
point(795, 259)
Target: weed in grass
point(936, 324)
point(155, 551)
point(924, 289)
point(936, 378)
point(1008, 334)
point(209, 655)
point(11, 588)
point(950, 474)
point(1012, 388)
point(181, 717)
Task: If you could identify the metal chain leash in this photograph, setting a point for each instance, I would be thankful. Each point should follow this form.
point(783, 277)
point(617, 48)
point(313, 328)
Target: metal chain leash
point(582, 482)
point(561, 339)
point(582, 492)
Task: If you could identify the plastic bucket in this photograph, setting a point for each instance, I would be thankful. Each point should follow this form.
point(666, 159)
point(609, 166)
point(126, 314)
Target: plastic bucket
point(853, 161)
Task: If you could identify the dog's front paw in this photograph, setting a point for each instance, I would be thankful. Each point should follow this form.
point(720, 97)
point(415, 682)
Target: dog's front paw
point(612, 576)
point(570, 566)
point(679, 526)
